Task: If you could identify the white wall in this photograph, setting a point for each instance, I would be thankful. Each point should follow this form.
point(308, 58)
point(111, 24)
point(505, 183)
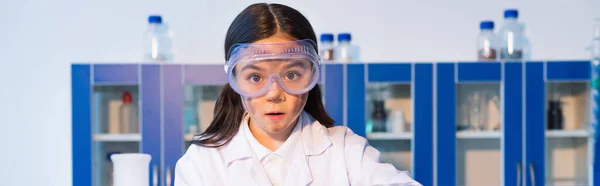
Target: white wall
point(41, 38)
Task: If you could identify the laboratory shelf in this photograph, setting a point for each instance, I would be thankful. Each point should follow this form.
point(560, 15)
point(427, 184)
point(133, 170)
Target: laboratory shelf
point(390, 136)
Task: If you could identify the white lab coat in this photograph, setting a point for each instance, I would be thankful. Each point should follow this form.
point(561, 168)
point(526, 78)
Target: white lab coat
point(332, 156)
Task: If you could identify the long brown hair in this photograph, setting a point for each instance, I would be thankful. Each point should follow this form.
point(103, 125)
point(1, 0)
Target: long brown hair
point(256, 22)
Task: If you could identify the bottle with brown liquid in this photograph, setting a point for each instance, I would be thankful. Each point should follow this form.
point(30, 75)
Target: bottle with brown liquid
point(327, 47)
point(379, 116)
point(487, 42)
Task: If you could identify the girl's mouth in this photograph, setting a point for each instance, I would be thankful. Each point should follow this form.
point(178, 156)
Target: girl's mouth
point(275, 116)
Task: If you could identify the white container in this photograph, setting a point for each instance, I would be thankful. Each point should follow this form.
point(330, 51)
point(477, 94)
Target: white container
point(131, 169)
point(396, 122)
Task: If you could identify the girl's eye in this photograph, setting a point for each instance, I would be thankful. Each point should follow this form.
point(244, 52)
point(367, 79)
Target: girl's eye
point(254, 78)
point(292, 76)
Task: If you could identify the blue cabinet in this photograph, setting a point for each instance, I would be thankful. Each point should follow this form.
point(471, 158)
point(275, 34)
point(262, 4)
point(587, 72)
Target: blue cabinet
point(564, 155)
point(434, 126)
point(96, 93)
point(525, 149)
point(479, 122)
point(399, 89)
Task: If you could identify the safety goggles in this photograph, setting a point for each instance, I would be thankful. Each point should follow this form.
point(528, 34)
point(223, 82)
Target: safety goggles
point(253, 68)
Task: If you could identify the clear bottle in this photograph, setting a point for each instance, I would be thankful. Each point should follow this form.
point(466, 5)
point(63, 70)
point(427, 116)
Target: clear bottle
point(477, 109)
point(326, 47)
point(128, 115)
point(513, 43)
point(487, 42)
point(157, 41)
point(345, 51)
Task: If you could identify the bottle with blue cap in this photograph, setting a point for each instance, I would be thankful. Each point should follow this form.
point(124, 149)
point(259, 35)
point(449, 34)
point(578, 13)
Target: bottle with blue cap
point(513, 43)
point(326, 47)
point(487, 42)
point(157, 41)
point(345, 51)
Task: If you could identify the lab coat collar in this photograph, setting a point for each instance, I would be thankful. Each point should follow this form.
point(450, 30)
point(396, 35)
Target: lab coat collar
point(314, 136)
point(237, 148)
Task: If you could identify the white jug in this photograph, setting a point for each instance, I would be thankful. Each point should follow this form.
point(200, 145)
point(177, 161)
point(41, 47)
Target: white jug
point(131, 169)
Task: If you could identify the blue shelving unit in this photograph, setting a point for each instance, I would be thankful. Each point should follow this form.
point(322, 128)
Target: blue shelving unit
point(434, 96)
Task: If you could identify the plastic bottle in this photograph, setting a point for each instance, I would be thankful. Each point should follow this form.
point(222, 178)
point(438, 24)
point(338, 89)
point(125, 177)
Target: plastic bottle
point(128, 115)
point(157, 41)
point(487, 42)
point(345, 51)
point(326, 48)
point(513, 44)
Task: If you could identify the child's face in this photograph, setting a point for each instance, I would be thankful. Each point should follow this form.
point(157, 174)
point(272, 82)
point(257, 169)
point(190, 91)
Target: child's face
point(277, 110)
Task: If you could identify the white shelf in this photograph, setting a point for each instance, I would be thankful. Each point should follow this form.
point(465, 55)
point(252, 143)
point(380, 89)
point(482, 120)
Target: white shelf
point(568, 134)
point(479, 135)
point(390, 136)
point(118, 137)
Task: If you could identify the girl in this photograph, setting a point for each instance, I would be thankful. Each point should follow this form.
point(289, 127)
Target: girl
point(270, 126)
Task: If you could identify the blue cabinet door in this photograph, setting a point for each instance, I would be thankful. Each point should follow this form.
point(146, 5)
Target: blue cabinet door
point(546, 81)
point(81, 110)
point(419, 77)
point(445, 124)
point(355, 100)
point(332, 81)
point(512, 139)
point(460, 135)
point(172, 100)
point(151, 120)
point(423, 133)
point(175, 80)
point(85, 79)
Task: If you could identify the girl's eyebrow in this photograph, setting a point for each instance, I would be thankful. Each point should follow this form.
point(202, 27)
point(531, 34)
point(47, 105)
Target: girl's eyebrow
point(296, 63)
point(251, 67)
